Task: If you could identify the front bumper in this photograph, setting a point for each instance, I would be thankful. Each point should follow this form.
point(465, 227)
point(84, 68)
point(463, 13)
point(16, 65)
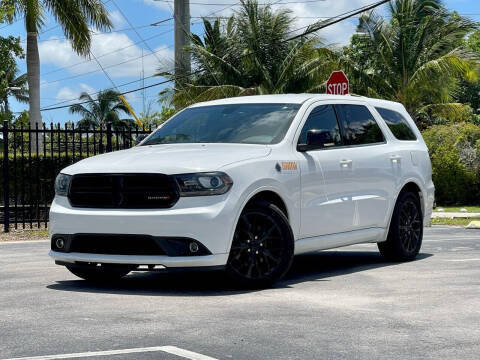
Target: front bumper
point(209, 220)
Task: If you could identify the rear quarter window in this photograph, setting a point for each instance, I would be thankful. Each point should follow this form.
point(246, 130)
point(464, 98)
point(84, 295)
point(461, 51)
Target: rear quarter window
point(397, 124)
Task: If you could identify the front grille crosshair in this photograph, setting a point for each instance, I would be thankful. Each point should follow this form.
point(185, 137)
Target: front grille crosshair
point(123, 191)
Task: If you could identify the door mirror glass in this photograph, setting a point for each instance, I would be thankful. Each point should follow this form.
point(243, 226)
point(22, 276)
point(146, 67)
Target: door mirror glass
point(317, 139)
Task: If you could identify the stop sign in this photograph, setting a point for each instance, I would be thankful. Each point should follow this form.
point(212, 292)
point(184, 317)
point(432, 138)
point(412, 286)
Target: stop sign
point(337, 84)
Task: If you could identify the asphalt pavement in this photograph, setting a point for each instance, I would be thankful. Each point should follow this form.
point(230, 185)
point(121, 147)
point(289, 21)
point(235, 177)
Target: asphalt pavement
point(340, 304)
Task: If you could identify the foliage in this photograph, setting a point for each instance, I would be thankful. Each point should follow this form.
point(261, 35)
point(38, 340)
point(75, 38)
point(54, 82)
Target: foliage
point(417, 58)
point(455, 155)
point(10, 83)
point(75, 17)
point(7, 9)
point(154, 118)
point(105, 109)
point(250, 54)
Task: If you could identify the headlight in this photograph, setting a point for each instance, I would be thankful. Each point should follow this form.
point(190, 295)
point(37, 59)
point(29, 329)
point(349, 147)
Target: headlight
point(201, 184)
point(62, 183)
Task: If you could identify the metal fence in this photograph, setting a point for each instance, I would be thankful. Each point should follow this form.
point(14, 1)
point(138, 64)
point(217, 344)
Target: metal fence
point(32, 157)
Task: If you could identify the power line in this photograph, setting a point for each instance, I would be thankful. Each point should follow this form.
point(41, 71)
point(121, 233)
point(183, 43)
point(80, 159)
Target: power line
point(107, 53)
point(313, 29)
point(261, 4)
point(106, 67)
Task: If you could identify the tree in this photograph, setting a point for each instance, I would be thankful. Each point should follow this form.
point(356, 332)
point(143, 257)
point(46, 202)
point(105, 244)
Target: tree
point(154, 118)
point(98, 112)
point(469, 93)
point(75, 17)
point(416, 58)
point(10, 83)
point(250, 54)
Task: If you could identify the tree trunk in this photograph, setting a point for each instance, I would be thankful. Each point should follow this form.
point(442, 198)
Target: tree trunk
point(33, 77)
point(7, 108)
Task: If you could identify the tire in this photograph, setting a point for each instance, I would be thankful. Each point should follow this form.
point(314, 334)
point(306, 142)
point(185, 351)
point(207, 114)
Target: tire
point(262, 246)
point(101, 274)
point(406, 229)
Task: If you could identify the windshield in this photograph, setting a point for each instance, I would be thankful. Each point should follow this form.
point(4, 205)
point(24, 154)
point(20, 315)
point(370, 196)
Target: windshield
point(233, 123)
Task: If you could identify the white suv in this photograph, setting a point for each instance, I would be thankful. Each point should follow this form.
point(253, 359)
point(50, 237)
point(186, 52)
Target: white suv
point(245, 183)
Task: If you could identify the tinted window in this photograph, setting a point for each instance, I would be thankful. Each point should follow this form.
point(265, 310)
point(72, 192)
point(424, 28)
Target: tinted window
point(233, 123)
point(397, 124)
point(322, 118)
point(359, 125)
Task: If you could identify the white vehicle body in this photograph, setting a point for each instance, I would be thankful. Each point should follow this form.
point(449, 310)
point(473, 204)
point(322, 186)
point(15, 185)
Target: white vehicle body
point(332, 197)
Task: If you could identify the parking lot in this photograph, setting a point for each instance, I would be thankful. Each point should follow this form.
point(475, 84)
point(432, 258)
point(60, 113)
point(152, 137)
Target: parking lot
point(345, 303)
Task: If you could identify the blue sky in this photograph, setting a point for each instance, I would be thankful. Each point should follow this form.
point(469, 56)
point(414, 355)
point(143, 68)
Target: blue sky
point(64, 75)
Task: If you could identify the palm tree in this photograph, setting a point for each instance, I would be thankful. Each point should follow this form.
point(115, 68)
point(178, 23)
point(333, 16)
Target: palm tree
point(250, 55)
point(75, 17)
point(16, 87)
point(97, 113)
point(416, 58)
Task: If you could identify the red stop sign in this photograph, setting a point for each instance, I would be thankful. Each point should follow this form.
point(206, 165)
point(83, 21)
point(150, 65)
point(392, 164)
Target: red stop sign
point(337, 84)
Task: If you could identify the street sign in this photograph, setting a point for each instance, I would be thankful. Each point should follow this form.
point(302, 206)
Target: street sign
point(337, 84)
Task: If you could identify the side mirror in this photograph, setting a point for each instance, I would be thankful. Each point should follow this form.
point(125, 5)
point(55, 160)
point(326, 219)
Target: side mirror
point(316, 139)
point(140, 138)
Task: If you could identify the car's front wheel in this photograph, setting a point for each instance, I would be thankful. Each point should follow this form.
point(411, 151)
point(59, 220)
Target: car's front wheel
point(262, 247)
point(99, 274)
point(406, 229)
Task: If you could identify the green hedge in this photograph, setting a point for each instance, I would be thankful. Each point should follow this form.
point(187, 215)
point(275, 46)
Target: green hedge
point(455, 154)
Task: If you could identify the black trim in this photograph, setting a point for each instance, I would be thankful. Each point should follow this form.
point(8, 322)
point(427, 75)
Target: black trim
point(86, 265)
point(145, 244)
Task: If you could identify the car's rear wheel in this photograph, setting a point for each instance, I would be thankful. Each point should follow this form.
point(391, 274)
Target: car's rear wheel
point(262, 247)
point(100, 274)
point(406, 229)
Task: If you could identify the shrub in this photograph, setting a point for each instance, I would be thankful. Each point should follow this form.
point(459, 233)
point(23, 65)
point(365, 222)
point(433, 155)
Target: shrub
point(455, 154)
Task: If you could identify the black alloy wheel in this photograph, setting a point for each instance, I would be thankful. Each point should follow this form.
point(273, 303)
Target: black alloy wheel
point(262, 247)
point(406, 229)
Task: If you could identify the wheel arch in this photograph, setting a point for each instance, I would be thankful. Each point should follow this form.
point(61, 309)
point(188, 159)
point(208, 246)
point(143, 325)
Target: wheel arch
point(263, 193)
point(409, 185)
point(271, 197)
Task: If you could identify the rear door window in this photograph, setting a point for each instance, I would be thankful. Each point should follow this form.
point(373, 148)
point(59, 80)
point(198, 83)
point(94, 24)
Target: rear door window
point(359, 125)
point(397, 124)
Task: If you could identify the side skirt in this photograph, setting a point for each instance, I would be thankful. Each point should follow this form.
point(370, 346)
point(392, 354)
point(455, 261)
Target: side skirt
point(330, 241)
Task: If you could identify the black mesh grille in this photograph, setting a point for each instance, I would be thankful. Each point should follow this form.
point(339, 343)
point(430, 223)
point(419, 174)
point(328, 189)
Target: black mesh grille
point(123, 191)
point(115, 244)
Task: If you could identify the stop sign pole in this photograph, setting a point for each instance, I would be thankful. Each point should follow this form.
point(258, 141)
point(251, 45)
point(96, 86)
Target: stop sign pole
point(337, 84)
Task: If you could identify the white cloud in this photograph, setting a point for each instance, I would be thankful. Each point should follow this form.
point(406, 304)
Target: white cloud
point(115, 51)
point(66, 93)
point(117, 18)
point(306, 14)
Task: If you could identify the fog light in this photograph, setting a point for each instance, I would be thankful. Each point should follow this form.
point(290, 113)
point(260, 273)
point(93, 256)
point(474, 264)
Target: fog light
point(60, 243)
point(193, 247)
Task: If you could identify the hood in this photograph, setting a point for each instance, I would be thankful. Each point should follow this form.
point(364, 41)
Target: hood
point(169, 158)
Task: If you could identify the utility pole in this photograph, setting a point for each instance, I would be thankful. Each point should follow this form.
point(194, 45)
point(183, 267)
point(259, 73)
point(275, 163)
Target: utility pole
point(181, 14)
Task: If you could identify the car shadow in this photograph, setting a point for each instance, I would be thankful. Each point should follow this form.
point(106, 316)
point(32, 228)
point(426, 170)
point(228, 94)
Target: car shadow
point(319, 266)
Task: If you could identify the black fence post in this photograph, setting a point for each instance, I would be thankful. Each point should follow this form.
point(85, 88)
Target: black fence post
point(109, 137)
point(6, 180)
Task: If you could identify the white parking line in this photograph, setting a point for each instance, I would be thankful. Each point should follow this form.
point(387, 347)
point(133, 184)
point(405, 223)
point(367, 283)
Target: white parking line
point(23, 242)
point(462, 260)
point(168, 349)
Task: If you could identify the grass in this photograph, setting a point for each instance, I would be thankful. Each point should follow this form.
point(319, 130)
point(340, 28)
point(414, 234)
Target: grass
point(457, 208)
point(454, 221)
point(24, 235)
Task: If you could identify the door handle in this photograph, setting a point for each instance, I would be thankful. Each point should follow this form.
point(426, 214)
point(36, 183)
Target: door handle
point(395, 159)
point(345, 163)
